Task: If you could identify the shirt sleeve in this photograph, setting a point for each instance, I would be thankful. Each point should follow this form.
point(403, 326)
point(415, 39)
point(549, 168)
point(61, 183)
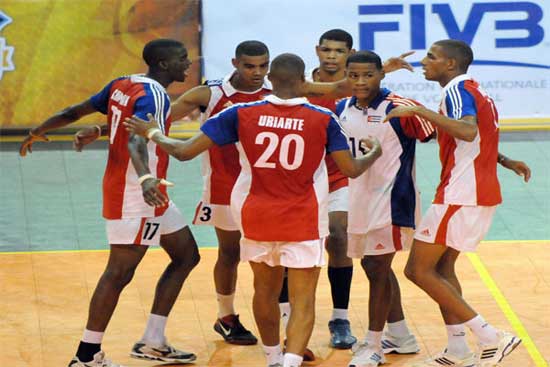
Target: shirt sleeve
point(340, 106)
point(336, 137)
point(100, 100)
point(222, 128)
point(416, 127)
point(155, 102)
point(459, 103)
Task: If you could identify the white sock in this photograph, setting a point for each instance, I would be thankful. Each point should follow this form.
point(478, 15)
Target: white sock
point(154, 332)
point(374, 338)
point(339, 313)
point(485, 332)
point(92, 337)
point(225, 304)
point(457, 345)
point(285, 314)
point(398, 329)
point(273, 354)
point(292, 360)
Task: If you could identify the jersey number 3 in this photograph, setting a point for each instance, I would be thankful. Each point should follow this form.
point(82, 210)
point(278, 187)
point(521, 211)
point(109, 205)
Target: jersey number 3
point(284, 150)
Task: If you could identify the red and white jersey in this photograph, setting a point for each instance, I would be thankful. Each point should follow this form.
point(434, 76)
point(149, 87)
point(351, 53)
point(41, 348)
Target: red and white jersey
point(123, 97)
point(386, 194)
point(281, 194)
point(469, 169)
point(336, 180)
point(220, 164)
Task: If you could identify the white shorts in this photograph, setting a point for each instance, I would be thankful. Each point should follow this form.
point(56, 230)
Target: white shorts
point(338, 201)
point(380, 241)
point(305, 254)
point(144, 231)
point(456, 226)
point(215, 215)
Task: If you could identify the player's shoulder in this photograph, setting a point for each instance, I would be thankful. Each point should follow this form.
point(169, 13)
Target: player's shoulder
point(213, 82)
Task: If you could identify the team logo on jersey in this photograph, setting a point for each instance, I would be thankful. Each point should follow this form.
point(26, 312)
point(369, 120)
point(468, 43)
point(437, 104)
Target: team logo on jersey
point(6, 51)
point(374, 119)
point(379, 247)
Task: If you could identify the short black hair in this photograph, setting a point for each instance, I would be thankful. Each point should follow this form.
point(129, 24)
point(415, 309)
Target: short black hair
point(337, 35)
point(251, 48)
point(158, 50)
point(458, 50)
point(287, 67)
point(365, 57)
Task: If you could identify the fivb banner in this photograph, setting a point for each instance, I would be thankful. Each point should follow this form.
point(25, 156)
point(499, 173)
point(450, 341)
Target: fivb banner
point(510, 41)
point(54, 53)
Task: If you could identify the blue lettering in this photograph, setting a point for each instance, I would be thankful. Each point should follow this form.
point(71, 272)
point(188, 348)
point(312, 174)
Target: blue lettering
point(368, 29)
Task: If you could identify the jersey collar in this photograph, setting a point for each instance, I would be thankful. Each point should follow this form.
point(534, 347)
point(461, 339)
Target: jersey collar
point(457, 79)
point(229, 90)
point(141, 78)
point(285, 102)
point(380, 97)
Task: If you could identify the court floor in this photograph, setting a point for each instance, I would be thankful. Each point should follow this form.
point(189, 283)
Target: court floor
point(45, 298)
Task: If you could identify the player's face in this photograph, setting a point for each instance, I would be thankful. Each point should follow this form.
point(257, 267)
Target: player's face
point(252, 69)
point(435, 63)
point(332, 55)
point(178, 64)
point(364, 79)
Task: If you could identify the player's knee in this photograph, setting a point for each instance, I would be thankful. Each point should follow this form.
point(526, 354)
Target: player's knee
point(229, 255)
point(376, 268)
point(413, 273)
point(336, 242)
point(119, 277)
point(446, 271)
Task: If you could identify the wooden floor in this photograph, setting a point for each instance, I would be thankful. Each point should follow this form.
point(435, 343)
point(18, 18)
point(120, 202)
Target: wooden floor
point(44, 301)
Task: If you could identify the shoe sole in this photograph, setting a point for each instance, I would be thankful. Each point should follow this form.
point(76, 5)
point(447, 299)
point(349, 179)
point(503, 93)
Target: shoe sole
point(341, 346)
point(162, 359)
point(403, 351)
point(234, 341)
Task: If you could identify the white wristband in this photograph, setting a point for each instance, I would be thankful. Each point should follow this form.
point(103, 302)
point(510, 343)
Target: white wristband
point(145, 177)
point(152, 132)
point(98, 129)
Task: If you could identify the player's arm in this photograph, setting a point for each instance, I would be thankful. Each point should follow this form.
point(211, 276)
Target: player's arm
point(58, 120)
point(189, 101)
point(397, 63)
point(88, 135)
point(464, 128)
point(183, 150)
point(354, 167)
point(519, 167)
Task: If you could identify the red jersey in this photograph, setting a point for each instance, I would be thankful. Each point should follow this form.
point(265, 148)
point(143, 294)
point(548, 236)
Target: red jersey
point(469, 169)
point(121, 98)
point(282, 190)
point(220, 165)
point(336, 179)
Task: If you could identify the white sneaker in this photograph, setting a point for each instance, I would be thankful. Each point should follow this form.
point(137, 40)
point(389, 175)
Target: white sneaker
point(99, 361)
point(446, 359)
point(490, 355)
point(365, 355)
point(405, 345)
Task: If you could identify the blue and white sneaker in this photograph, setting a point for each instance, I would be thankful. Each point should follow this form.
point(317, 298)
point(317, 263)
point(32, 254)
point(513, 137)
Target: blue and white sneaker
point(365, 355)
point(162, 353)
point(491, 355)
point(340, 334)
point(405, 345)
point(446, 359)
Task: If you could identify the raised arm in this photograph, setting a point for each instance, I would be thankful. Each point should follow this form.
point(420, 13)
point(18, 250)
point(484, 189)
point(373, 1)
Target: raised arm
point(354, 167)
point(189, 101)
point(60, 119)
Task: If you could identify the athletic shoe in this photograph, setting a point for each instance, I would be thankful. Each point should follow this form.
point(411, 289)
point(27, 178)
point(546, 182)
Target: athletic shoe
point(340, 334)
point(405, 345)
point(490, 355)
point(309, 356)
point(446, 359)
point(163, 353)
point(365, 355)
point(99, 361)
point(275, 365)
point(233, 332)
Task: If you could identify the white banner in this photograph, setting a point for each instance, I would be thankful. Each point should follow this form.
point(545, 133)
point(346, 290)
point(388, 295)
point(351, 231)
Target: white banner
point(510, 41)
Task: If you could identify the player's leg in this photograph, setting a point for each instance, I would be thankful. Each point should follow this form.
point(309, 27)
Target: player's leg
point(184, 255)
point(302, 284)
point(267, 283)
point(228, 324)
point(123, 261)
point(340, 272)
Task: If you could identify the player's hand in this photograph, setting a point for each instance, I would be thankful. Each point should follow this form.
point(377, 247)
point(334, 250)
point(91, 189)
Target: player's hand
point(372, 144)
point(396, 63)
point(151, 192)
point(26, 145)
point(519, 167)
point(85, 136)
point(401, 111)
point(141, 127)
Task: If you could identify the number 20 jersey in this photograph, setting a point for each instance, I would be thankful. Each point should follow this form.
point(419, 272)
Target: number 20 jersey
point(121, 98)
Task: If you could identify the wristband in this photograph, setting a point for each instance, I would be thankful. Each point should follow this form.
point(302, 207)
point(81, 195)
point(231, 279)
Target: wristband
point(98, 129)
point(145, 177)
point(152, 132)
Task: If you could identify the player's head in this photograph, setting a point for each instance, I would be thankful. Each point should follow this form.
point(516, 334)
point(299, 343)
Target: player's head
point(167, 56)
point(287, 72)
point(447, 58)
point(333, 49)
point(252, 63)
point(364, 73)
